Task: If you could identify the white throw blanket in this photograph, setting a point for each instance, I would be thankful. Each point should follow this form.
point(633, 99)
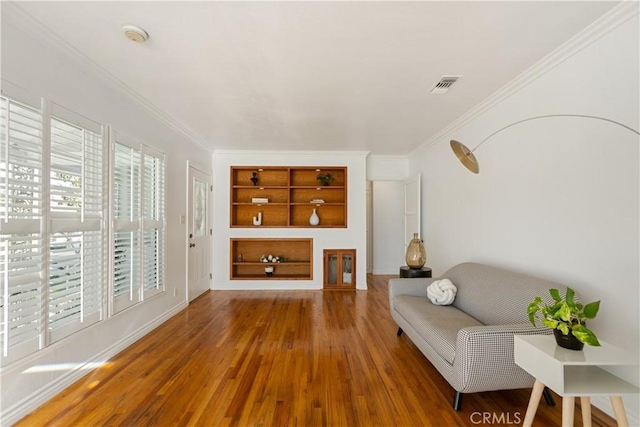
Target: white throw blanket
point(442, 292)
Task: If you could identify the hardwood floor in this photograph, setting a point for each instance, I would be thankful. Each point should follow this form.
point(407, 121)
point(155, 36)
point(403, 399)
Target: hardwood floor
point(281, 358)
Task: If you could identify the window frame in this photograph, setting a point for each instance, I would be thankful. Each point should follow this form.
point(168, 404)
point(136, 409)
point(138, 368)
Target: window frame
point(88, 223)
point(137, 224)
point(13, 228)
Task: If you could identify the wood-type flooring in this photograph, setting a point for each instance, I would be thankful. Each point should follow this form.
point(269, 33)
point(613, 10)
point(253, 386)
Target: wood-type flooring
point(281, 358)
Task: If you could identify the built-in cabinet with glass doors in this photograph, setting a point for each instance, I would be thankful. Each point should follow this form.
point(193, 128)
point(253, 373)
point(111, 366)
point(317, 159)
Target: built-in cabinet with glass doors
point(339, 269)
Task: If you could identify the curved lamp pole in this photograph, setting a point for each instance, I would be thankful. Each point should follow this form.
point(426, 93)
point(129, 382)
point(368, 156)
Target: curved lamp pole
point(468, 159)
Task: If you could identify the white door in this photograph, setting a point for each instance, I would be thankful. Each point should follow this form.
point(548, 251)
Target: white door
point(199, 233)
point(412, 205)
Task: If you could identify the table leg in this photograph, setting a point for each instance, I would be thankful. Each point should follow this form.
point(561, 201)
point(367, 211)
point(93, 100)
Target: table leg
point(568, 407)
point(585, 403)
point(534, 400)
point(618, 409)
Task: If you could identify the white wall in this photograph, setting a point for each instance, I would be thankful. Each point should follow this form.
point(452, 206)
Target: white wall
point(388, 227)
point(352, 237)
point(384, 168)
point(46, 71)
point(556, 198)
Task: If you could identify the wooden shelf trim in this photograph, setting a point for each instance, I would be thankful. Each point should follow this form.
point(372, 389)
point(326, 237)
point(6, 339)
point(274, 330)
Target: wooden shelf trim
point(273, 264)
point(264, 204)
point(262, 187)
point(317, 204)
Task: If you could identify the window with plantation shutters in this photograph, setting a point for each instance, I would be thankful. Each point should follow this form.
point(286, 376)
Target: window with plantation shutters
point(52, 207)
point(21, 238)
point(138, 190)
point(58, 261)
point(76, 234)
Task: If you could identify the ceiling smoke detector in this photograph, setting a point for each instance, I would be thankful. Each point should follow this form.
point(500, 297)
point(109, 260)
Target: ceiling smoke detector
point(444, 84)
point(135, 33)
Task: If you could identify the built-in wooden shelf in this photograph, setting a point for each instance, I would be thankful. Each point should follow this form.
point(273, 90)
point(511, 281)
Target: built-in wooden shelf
point(298, 252)
point(289, 191)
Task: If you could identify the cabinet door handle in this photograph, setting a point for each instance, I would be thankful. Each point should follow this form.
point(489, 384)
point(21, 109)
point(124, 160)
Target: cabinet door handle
point(192, 245)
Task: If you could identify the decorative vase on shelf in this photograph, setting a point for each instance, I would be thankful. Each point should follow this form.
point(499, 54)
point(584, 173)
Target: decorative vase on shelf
point(314, 219)
point(254, 178)
point(257, 220)
point(416, 255)
point(269, 270)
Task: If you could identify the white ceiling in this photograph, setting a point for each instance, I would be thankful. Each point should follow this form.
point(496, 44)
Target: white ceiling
point(316, 75)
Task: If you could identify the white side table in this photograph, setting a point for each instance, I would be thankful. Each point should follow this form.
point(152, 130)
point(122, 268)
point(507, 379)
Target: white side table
point(573, 374)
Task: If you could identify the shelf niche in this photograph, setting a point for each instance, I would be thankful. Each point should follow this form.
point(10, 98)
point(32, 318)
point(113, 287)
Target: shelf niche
point(297, 251)
point(289, 191)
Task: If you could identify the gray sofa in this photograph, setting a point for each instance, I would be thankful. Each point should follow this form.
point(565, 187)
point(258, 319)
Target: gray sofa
point(470, 342)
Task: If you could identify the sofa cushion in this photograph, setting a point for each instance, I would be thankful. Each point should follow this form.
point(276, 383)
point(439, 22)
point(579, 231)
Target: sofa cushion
point(438, 325)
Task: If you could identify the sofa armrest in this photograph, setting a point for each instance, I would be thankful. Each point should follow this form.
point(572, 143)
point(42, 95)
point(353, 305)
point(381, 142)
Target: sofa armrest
point(414, 287)
point(484, 358)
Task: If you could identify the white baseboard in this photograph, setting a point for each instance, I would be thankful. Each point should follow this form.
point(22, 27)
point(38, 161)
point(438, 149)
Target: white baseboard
point(18, 411)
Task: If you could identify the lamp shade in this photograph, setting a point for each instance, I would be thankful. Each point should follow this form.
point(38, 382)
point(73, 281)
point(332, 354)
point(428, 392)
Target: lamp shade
point(465, 156)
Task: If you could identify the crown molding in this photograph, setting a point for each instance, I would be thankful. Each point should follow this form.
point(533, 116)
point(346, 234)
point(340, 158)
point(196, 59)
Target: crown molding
point(24, 21)
point(292, 153)
point(389, 157)
point(611, 20)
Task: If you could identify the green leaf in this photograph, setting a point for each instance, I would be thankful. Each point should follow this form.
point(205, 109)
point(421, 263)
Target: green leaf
point(563, 327)
point(555, 294)
point(570, 294)
point(553, 310)
point(585, 335)
point(591, 309)
point(532, 310)
point(550, 323)
point(564, 313)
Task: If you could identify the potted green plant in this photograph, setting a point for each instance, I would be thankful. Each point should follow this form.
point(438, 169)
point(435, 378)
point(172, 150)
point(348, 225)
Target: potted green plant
point(567, 319)
point(325, 178)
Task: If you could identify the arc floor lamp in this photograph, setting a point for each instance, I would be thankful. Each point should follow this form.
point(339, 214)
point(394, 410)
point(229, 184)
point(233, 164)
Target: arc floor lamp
point(468, 159)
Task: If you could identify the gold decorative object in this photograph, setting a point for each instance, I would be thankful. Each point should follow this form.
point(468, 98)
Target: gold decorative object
point(416, 255)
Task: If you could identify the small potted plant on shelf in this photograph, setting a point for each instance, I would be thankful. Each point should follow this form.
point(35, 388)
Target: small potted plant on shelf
point(567, 319)
point(269, 269)
point(325, 178)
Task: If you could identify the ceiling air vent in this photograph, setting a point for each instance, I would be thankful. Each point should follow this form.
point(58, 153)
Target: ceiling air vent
point(444, 84)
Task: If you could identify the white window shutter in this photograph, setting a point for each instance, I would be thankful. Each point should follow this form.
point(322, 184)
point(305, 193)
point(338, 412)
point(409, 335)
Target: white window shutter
point(21, 239)
point(153, 223)
point(126, 226)
point(138, 223)
point(76, 260)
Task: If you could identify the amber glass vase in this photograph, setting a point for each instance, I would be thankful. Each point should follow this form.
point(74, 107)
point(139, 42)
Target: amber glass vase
point(416, 255)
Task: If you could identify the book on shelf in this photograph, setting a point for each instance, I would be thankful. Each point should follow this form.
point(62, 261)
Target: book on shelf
point(316, 201)
point(259, 200)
